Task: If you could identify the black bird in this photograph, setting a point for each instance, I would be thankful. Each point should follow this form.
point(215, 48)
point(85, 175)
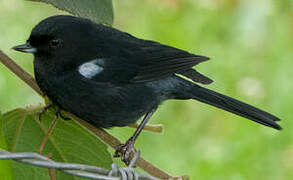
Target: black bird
point(110, 78)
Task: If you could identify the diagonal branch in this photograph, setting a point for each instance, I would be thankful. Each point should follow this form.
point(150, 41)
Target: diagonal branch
point(20, 72)
point(103, 135)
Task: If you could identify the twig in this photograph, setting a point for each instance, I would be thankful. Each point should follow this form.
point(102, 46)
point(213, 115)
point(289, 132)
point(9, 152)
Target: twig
point(50, 170)
point(158, 128)
point(45, 139)
point(20, 72)
point(103, 135)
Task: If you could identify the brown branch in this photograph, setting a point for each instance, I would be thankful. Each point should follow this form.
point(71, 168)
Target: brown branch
point(103, 135)
point(45, 139)
point(157, 128)
point(20, 72)
point(51, 170)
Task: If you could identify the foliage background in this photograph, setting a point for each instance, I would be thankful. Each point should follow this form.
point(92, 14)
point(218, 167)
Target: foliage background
point(251, 46)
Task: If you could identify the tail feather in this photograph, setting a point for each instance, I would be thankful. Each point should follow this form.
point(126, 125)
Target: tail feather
point(234, 106)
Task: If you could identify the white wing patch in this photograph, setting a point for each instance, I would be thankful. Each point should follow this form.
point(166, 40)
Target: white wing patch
point(91, 68)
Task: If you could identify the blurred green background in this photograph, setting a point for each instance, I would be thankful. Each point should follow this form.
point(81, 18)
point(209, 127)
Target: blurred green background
point(251, 46)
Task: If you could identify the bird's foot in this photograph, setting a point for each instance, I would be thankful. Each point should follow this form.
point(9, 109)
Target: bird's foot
point(124, 151)
point(57, 109)
point(59, 114)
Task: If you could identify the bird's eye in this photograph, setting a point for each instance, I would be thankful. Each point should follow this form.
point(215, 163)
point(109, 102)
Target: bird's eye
point(55, 42)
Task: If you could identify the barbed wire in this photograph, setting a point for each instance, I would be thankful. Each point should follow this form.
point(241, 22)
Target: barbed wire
point(80, 170)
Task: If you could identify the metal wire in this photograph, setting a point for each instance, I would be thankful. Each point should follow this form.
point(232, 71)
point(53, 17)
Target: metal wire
point(80, 170)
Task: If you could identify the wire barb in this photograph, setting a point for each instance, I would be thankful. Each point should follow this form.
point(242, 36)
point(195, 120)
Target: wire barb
point(80, 170)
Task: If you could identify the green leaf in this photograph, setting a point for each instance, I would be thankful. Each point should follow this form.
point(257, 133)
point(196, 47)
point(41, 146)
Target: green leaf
point(68, 142)
point(99, 11)
point(5, 166)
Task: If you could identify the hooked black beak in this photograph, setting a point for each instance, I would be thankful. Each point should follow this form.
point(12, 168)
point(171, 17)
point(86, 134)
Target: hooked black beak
point(27, 48)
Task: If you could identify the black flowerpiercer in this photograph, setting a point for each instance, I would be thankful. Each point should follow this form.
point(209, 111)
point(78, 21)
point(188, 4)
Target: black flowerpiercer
point(111, 78)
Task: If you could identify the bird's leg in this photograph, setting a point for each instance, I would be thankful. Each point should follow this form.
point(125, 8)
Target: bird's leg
point(58, 112)
point(44, 110)
point(124, 150)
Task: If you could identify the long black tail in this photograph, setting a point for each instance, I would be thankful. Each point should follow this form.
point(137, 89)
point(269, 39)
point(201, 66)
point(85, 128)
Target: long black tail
point(234, 106)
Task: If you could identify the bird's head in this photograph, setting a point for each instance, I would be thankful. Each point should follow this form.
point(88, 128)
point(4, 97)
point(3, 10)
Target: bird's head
point(62, 36)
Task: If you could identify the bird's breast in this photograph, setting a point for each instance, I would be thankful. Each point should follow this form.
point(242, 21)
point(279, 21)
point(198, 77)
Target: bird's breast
point(100, 103)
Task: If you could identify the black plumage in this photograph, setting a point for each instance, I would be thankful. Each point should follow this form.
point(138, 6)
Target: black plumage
point(111, 78)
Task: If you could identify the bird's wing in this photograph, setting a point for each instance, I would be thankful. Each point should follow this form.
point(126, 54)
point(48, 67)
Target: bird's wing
point(128, 59)
point(157, 61)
